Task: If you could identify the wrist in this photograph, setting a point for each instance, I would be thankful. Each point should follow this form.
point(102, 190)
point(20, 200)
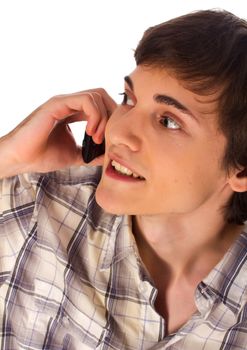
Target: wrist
point(9, 166)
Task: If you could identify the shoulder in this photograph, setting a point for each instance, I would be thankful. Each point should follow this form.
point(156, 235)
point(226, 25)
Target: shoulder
point(73, 188)
point(75, 175)
point(24, 187)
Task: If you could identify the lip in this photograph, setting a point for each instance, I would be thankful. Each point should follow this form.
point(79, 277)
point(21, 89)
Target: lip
point(111, 172)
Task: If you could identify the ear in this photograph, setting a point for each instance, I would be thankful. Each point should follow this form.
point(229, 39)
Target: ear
point(238, 181)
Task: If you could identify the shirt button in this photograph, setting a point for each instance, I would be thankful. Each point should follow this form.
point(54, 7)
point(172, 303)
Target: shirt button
point(65, 321)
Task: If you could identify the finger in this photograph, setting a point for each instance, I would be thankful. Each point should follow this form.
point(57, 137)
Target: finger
point(74, 106)
point(98, 161)
point(99, 129)
point(99, 136)
point(92, 105)
point(93, 123)
point(75, 117)
point(109, 103)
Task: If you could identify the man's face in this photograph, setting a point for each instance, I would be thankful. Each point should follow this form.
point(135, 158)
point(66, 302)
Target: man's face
point(169, 137)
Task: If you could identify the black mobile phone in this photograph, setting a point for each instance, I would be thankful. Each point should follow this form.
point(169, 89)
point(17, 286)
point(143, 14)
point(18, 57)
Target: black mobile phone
point(90, 149)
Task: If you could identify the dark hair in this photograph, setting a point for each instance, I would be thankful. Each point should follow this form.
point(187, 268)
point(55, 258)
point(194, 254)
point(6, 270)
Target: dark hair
point(207, 50)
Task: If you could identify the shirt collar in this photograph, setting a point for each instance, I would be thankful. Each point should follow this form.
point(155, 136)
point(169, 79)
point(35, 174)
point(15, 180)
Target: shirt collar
point(227, 281)
point(119, 243)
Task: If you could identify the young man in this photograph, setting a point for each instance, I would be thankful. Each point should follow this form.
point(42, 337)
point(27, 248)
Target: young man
point(148, 251)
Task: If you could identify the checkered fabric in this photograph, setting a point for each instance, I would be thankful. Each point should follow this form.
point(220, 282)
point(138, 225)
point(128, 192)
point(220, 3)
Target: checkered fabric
point(71, 276)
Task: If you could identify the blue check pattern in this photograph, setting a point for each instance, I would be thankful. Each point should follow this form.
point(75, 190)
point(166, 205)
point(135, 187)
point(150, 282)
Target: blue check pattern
point(71, 276)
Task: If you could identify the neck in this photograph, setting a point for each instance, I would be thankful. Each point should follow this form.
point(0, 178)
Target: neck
point(184, 244)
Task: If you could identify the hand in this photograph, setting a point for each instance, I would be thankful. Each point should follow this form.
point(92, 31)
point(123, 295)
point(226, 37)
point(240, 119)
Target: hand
point(43, 141)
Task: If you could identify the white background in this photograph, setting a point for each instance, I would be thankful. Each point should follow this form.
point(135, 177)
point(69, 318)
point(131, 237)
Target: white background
point(50, 47)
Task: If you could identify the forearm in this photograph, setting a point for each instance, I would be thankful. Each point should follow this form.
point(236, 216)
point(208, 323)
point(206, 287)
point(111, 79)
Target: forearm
point(8, 166)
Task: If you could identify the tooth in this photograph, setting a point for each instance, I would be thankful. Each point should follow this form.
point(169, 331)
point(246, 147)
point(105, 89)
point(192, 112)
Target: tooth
point(125, 170)
point(115, 165)
point(120, 168)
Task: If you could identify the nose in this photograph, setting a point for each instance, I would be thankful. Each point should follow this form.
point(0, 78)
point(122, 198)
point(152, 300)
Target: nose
point(125, 129)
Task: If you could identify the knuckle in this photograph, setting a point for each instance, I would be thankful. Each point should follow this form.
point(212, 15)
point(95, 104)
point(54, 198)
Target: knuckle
point(101, 90)
point(88, 97)
point(55, 98)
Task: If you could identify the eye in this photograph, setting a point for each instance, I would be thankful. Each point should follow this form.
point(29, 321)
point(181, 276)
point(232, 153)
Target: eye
point(170, 123)
point(126, 99)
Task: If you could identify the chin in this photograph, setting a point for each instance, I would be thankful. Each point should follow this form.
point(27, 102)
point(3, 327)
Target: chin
point(105, 202)
point(108, 204)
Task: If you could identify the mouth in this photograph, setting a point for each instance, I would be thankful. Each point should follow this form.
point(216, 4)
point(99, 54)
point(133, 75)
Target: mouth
point(118, 171)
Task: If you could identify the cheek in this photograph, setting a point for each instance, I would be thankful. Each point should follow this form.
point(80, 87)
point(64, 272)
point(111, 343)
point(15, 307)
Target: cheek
point(182, 182)
point(112, 121)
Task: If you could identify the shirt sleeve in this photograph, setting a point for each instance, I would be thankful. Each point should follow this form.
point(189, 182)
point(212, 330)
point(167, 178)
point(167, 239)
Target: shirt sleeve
point(17, 202)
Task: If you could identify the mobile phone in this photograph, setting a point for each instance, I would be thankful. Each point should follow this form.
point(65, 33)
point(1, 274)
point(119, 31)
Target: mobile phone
point(90, 149)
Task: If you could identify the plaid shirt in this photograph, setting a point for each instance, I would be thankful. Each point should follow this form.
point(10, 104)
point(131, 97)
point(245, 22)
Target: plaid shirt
point(71, 276)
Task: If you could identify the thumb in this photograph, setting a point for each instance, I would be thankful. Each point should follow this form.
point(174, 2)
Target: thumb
point(98, 161)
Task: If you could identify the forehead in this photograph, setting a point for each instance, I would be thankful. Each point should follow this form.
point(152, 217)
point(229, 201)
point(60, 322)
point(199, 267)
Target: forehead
point(149, 81)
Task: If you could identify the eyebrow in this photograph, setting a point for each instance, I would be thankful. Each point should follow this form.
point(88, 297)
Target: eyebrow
point(164, 99)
